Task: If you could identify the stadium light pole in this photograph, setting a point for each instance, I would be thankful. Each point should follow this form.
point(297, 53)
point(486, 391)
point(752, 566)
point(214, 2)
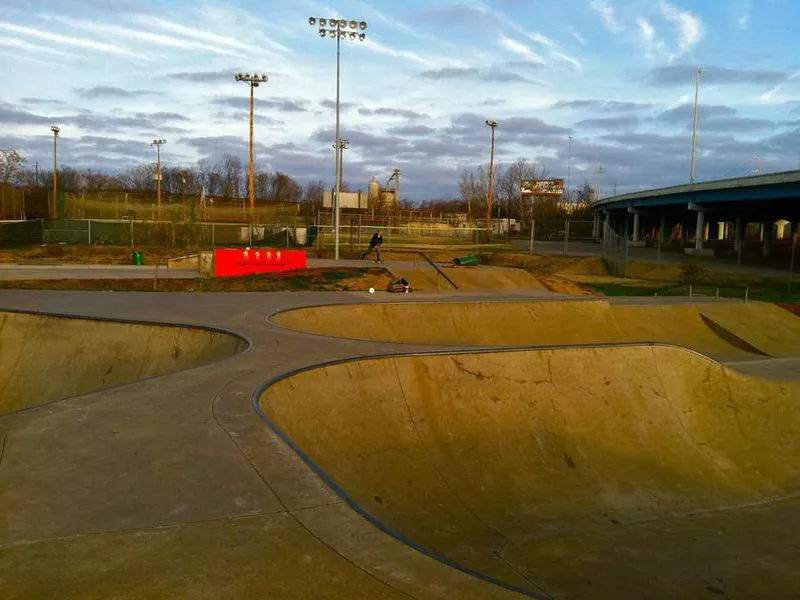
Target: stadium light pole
point(493, 125)
point(338, 29)
point(569, 167)
point(253, 81)
point(158, 143)
point(341, 145)
point(56, 130)
point(694, 123)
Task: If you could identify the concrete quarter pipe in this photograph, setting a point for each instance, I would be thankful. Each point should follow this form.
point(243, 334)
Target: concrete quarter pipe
point(641, 471)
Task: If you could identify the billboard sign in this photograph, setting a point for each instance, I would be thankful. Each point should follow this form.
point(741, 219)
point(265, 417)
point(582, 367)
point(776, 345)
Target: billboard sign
point(542, 187)
point(346, 200)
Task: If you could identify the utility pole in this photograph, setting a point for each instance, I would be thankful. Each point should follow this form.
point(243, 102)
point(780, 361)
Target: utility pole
point(56, 131)
point(569, 167)
point(338, 31)
point(158, 143)
point(493, 125)
point(254, 81)
point(694, 125)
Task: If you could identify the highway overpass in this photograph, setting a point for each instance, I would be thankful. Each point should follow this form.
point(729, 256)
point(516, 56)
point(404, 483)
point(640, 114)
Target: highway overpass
point(723, 216)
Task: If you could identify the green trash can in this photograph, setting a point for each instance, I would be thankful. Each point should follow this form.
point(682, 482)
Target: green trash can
point(137, 258)
point(466, 261)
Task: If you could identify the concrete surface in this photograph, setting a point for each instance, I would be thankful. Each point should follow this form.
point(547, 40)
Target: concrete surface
point(566, 472)
point(47, 358)
point(726, 331)
point(174, 487)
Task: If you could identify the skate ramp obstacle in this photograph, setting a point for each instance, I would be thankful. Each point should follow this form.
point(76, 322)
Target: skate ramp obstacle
point(45, 358)
point(641, 471)
point(470, 278)
point(725, 331)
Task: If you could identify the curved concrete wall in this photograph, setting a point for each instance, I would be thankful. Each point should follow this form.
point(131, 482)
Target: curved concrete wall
point(725, 331)
point(45, 358)
point(608, 472)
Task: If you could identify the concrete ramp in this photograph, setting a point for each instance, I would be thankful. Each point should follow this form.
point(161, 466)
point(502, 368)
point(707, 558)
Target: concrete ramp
point(554, 323)
point(771, 329)
point(623, 472)
point(45, 358)
point(469, 278)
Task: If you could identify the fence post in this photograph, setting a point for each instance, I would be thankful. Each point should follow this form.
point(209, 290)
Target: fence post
point(250, 232)
point(566, 236)
point(213, 243)
point(172, 227)
point(44, 235)
point(90, 231)
point(131, 231)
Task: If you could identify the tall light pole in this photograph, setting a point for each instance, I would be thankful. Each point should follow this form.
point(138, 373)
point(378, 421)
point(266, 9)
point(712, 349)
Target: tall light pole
point(694, 125)
point(493, 126)
point(56, 130)
point(253, 80)
point(338, 29)
point(569, 167)
point(340, 146)
point(158, 144)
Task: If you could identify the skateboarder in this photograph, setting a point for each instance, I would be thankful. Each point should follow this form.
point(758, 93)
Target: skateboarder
point(375, 244)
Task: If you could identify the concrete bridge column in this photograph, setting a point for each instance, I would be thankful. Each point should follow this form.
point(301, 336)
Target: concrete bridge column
point(636, 224)
point(766, 237)
point(700, 230)
point(721, 227)
point(662, 226)
point(738, 233)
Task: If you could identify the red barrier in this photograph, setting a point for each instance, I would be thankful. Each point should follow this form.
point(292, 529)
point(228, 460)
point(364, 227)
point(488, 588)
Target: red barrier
point(230, 262)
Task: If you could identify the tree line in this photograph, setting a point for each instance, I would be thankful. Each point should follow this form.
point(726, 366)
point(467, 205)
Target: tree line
point(507, 199)
point(226, 179)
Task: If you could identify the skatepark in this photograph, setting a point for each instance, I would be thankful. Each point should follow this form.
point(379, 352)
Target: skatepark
point(471, 444)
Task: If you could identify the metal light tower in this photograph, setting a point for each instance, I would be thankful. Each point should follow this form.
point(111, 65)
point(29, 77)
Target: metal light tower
point(493, 126)
point(338, 29)
point(158, 144)
point(340, 146)
point(253, 80)
point(56, 130)
point(694, 125)
point(569, 167)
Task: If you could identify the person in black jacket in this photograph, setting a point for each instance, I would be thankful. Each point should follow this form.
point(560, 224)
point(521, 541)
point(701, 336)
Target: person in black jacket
point(375, 244)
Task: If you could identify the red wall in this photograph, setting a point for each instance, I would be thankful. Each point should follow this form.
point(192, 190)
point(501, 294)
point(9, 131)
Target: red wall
point(231, 262)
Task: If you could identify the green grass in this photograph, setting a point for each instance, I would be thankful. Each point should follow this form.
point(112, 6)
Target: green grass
point(765, 292)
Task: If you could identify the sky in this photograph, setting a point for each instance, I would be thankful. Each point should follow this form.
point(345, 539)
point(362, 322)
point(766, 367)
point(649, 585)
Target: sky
point(616, 76)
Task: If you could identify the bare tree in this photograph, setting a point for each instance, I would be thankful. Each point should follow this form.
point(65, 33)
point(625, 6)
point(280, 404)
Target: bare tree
point(10, 166)
point(232, 176)
point(509, 186)
point(312, 194)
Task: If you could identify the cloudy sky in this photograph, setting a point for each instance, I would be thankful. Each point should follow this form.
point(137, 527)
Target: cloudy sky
point(615, 75)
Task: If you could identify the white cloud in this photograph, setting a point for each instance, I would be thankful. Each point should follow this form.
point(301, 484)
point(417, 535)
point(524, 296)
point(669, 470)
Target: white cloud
point(371, 44)
point(648, 32)
point(520, 49)
point(578, 66)
point(606, 12)
point(21, 44)
point(770, 95)
point(577, 36)
point(541, 39)
point(204, 35)
point(744, 14)
point(690, 28)
point(145, 36)
point(68, 40)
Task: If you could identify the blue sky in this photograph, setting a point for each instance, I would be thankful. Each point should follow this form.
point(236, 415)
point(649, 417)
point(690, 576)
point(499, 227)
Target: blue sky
point(616, 75)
